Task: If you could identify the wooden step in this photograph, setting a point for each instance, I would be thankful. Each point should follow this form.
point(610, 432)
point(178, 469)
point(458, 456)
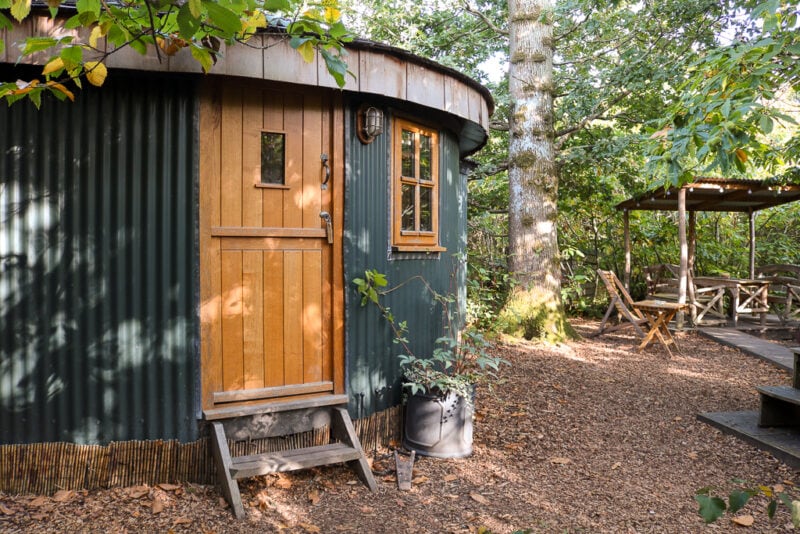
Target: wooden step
point(782, 443)
point(274, 462)
point(780, 406)
point(215, 414)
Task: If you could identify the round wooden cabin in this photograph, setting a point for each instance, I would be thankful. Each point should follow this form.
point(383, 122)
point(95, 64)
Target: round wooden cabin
point(178, 247)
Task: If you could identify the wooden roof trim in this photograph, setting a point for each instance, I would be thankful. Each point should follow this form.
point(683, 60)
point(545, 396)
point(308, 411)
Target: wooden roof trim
point(380, 69)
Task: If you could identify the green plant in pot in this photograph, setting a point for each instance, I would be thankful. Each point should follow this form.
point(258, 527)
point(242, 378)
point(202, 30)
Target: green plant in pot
point(441, 385)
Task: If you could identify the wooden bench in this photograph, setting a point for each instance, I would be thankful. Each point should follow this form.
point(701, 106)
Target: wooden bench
point(663, 283)
point(784, 290)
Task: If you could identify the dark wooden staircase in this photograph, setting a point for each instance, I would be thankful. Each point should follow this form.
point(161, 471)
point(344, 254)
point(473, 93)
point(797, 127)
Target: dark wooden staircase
point(281, 419)
point(776, 427)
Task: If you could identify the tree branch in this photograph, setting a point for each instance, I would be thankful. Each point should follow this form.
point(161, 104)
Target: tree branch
point(474, 12)
point(599, 112)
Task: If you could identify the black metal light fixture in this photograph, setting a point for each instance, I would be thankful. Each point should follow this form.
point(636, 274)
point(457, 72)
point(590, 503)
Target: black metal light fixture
point(369, 123)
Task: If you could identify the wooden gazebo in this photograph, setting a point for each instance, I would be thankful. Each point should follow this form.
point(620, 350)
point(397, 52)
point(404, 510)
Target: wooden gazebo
point(706, 194)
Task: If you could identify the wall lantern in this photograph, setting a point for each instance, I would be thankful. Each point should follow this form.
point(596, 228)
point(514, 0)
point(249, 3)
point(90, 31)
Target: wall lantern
point(369, 123)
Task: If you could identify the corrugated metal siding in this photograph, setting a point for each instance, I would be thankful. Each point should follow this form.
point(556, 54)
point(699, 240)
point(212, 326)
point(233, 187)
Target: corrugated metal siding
point(373, 373)
point(97, 254)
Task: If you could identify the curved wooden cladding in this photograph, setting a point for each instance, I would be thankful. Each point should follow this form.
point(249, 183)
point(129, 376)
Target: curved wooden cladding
point(379, 69)
point(271, 303)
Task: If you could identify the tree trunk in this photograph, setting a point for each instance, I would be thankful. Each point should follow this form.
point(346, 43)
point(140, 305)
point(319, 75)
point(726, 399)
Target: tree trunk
point(534, 308)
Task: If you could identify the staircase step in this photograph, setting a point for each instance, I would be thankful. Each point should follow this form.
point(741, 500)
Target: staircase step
point(316, 401)
point(786, 394)
point(273, 462)
point(780, 406)
point(782, 443)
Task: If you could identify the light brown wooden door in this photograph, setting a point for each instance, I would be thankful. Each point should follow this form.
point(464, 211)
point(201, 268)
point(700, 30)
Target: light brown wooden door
point(270, 296)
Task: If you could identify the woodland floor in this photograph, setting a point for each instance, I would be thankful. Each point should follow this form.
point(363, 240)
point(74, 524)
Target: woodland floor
point(587, 437)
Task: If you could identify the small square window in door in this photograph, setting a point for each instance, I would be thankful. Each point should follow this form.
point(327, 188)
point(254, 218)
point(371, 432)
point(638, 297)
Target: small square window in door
point(273, 158)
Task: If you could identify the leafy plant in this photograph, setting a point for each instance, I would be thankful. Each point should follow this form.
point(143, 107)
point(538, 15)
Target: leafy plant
point(457, 361)
point(713, 507)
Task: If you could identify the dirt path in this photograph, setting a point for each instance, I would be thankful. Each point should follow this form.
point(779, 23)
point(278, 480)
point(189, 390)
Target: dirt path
point(589, 437)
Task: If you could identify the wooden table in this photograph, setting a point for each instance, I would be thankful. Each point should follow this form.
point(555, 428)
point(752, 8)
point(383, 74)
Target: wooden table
point(747, 295)
point(658, 314)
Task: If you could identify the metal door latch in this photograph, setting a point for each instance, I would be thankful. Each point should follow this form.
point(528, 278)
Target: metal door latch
point(325, 216)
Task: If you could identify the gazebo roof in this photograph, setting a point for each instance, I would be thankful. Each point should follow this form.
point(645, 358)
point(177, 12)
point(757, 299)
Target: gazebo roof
point(717, 194)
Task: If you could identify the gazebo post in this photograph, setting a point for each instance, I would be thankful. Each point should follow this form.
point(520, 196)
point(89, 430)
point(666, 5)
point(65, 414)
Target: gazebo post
point(690, 262)
point(752, 244)
point(684, 266)
point(627, 226)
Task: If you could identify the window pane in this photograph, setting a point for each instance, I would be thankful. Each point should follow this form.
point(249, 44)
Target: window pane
point(273, 157)
point(425, 157)
point(407, 215)
point(425, 213)
point(408, 154)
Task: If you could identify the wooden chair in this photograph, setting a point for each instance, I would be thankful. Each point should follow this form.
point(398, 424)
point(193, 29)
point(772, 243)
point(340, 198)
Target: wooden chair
point(621, 301)
point(784, 290)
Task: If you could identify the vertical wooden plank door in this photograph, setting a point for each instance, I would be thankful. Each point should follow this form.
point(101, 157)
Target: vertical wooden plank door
point(268, 188)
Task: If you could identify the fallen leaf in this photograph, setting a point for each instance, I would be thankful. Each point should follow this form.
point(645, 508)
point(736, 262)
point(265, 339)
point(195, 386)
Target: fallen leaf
point(309, 527)
point(158, 506)
point(419, 480)
point(778, 488)
point(137, 492)
point(39, 501)
point(450, 478)
point(560, 460)
point(63, 495)
point(693, 455)
point(519, 414)
point(616, 466)
point(223, 502)
point(313, 496)
point(169, 487)
point(515, 446)
point(678, 418)
point(283, 482)
point(182, 521)
point(744, 520)
point(6, 511)
point(479, 498)
point(367, 510)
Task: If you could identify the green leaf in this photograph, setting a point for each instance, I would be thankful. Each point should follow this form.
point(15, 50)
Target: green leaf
point(277, 5)
point(188, 23)
point(89, 6)
point(36, 44)
point(796, 514)
point(336, 67)
point(223, 18)
point(195, 7)
point(5, 4)
point(203, 57)
point(72, 55)
point(711, 508)
point(20, 9)
point(771, 508)
point(736, 500)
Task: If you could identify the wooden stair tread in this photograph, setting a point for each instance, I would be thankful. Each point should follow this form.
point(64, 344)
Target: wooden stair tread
point(783, 393)
point(290, 460)
point(216, 414)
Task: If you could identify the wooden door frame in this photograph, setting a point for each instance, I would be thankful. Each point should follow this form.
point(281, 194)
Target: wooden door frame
point(210, 125)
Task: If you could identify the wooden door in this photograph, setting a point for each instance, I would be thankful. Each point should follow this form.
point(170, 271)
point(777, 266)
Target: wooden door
point(270, 281)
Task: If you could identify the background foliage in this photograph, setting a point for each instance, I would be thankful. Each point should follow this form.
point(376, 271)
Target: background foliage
point(648, 93)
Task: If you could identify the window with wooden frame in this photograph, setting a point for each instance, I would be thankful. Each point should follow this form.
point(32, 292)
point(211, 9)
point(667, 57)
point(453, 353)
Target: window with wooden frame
point(415, 188)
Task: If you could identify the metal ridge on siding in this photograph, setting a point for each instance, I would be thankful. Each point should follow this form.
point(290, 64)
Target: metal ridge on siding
point(97, 244)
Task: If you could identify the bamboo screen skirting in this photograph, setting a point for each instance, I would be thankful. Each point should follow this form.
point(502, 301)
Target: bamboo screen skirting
point(44, 468)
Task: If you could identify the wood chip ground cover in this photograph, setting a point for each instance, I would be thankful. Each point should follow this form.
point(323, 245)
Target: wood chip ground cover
point(591, 436)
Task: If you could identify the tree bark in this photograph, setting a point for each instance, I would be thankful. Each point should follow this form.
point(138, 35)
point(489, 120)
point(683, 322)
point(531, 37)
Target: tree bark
point(534, 309)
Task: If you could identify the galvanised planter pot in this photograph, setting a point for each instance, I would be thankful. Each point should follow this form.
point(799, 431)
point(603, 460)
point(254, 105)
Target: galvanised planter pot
point(439, 425)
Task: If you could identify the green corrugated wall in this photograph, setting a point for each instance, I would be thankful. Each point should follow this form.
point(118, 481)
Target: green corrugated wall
point(98, 262)
point(372, 369)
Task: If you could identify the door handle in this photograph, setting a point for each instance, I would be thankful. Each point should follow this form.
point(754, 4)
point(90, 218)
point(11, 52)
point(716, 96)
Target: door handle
point(327, 169)
point(325, 216)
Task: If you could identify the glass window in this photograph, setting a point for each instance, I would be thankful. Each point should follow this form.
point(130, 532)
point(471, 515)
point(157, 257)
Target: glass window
point(415, 188)
point(273, 158)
